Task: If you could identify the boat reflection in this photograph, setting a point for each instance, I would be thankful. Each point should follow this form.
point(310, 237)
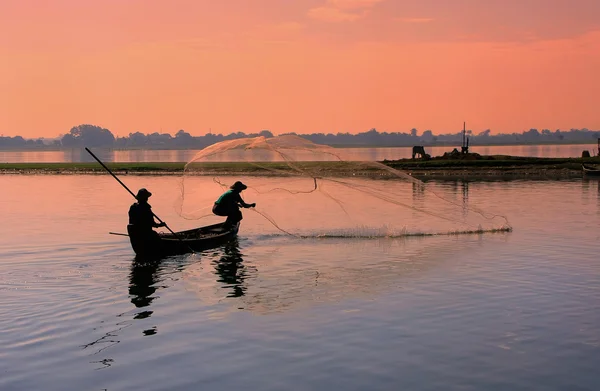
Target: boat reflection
point(276, 276)
point(145, 275)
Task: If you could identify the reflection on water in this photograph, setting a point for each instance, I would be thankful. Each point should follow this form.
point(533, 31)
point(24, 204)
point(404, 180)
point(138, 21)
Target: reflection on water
point(418, 190)
point(510, 311)
point(364, 154)
point(147, 277)
point(465, 197)
point(230, 269)
point(143, 276)
point(591, 188)
point(227, 261)
point(330, 270)
point(460, 192)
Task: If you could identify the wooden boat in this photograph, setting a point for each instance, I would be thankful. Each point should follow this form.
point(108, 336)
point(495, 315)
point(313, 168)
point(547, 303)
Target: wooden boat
point(183, 242)
point(590, 171)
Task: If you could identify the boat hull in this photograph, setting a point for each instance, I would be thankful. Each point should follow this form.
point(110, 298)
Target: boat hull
point(197, 239)
point(590, 171)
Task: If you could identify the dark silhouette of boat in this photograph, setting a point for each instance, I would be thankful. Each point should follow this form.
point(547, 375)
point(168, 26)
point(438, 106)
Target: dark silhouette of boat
point(197, 239)
point(590, 171)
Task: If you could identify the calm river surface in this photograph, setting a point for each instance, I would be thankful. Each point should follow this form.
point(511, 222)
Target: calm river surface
point(366, 154)
point(503, 311)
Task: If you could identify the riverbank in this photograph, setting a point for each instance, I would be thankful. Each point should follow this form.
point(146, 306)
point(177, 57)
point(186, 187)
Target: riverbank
point(494, 167)
point(466, 167)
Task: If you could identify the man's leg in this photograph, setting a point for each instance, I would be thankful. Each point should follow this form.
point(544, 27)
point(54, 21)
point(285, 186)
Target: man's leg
point(233, 218)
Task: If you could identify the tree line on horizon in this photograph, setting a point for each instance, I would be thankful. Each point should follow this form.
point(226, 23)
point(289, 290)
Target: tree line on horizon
point(95, 136)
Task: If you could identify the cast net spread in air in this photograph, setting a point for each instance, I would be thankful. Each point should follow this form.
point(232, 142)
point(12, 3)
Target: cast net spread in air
point(306, 189)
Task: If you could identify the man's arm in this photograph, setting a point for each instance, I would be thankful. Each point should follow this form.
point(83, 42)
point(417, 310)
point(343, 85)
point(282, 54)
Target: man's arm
point(157, 225)
point(239, 200)
point(152, 217)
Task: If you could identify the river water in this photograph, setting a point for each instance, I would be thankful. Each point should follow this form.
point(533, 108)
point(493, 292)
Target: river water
point(365, 154)
point(505, 311)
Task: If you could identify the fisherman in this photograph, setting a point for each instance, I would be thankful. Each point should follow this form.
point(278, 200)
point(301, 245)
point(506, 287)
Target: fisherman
point(141, 217)
point(229, 204)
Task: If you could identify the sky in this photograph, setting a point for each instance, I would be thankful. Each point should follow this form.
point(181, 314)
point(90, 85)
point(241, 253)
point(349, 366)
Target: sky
point(304, 66)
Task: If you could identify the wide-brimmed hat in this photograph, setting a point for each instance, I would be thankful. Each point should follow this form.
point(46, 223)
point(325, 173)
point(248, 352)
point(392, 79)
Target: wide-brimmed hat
point(238, 186)
point(143, 193)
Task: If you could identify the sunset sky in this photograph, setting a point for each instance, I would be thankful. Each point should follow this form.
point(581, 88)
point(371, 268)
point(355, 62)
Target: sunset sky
point(298, 65)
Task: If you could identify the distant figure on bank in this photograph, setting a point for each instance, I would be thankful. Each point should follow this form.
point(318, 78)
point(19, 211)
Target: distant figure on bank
point(141, 217)
point(229, 204)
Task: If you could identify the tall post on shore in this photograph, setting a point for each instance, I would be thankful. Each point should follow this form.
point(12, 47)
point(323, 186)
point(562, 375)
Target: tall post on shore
point(464, 148)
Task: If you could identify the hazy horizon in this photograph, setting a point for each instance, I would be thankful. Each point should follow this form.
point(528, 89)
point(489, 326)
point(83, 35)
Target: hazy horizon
point(419, 132)
point(307, 66)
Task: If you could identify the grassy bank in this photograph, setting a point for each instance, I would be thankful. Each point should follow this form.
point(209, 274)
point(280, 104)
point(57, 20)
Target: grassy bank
point(496, 161)
point(495, 167)
point(158, 168)
point(89, 167)
point(475, 167)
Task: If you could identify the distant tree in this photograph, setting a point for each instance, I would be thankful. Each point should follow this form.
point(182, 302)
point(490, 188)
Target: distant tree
point(159, 139)
point(370, 137)
point(12, 142)
point(137, 139)
point(211, 138)
point(88, 135)
point(68, 140)
point(183, 138)
point(427, 136)
point(531, 135)
point(265, 134)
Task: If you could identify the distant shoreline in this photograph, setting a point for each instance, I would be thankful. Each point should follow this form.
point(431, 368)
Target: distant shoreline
point(51, 148)
point(484, 167)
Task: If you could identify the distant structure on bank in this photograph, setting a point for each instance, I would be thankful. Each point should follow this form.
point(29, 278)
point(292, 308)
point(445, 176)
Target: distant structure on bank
point(464, 148)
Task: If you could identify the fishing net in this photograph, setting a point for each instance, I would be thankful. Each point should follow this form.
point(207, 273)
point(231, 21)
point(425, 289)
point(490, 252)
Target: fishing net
point(305, 189)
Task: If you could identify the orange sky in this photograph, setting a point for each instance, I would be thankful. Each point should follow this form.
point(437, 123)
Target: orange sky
point(303, 66)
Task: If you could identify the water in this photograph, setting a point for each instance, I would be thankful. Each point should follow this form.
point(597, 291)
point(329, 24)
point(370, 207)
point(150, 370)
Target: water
point(365, 154)
point(511, 311)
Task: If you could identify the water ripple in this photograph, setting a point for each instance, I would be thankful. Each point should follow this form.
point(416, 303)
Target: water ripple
point(515, 311)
